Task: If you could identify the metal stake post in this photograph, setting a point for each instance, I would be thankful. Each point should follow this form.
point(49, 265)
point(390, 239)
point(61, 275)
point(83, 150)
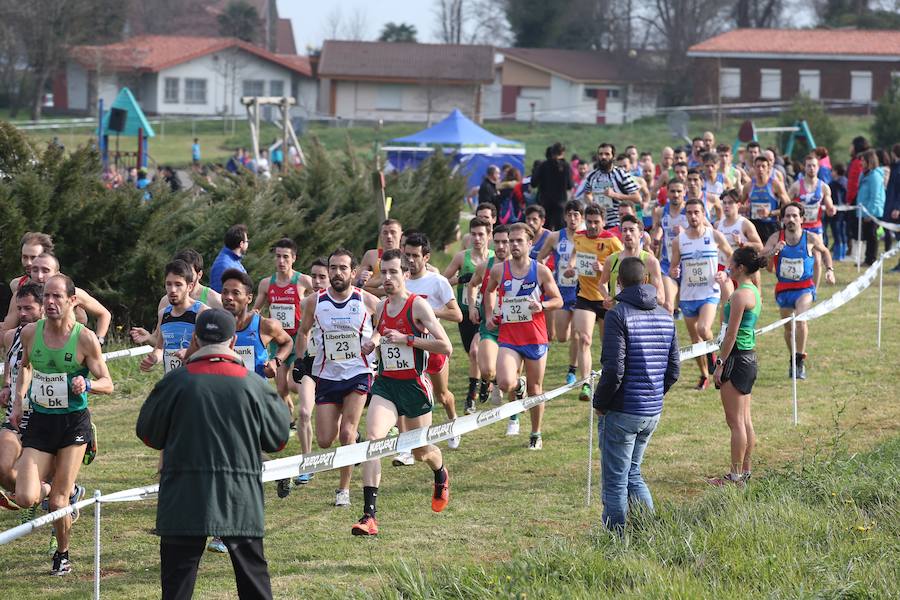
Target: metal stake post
point(590, 465)
point(794, 362)
point(880, 298)
point(96, 544)
point(859, 240)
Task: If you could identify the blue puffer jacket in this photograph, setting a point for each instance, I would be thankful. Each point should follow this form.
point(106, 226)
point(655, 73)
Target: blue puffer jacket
point(640, 354)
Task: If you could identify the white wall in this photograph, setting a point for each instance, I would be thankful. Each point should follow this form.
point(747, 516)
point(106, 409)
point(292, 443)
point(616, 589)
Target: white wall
point(76, 86)
point(360, 100)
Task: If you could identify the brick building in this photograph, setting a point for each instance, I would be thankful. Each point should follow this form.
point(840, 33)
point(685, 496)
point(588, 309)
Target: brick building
point(764, 65)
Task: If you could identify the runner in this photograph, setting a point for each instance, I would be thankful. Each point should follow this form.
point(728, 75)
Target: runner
point(436, 291)
point(695, 260)
point(733, 177)
point(58, 354)
point(794, 249)
point(535, 217)
point(631, 240)
point(591, 250)
point(368, 276)
point(522, 284)
point(303, 373)
point(607, 185)
point(766, 195)
point(486, 212)
point(342, 317)
point(282, 294)
point(815, 195)
point(459, 273)
point(668, 222)
point(488, 345)
point(561, 244)
point(739, 232)
point(175, 324)
point(410, 333)
point(33, 244)
point(712, 208)
point(737, 365)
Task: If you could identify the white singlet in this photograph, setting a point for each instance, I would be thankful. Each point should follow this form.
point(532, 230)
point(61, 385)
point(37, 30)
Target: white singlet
point(340, 329)
point(699, 263)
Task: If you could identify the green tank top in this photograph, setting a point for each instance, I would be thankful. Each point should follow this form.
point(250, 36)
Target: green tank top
point(467, 268)
point(204, 294)
point(614, 270)
point(52, 373)
point(746, 335)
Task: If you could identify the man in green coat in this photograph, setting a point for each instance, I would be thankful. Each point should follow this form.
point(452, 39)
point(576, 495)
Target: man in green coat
point(213, 419)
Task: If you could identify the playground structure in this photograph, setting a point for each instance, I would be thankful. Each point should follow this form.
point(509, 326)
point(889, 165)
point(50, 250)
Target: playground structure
point(124, 117)
point(749, 132)
point(288, 135)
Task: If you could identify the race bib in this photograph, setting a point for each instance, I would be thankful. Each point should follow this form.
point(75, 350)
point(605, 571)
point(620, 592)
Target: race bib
point(170, 361)
point(311, 346)
point(248, 356)
point(697, 271)
point(284, 314)
point(584, 264)
point(479, 300)
point(791, 269)
point(396, 358)
point(50, 390)
point(341, 346)
point(811, 213)
point(759, 210)
point(516, 309)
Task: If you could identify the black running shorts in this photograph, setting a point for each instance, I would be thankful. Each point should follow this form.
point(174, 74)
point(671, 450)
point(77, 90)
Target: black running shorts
point(467, 331)
point(51, 432)
point(740, 369)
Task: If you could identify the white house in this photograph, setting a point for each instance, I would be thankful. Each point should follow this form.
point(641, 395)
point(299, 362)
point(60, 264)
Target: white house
point(184, 75)
point(574, 86)
point(402, 81)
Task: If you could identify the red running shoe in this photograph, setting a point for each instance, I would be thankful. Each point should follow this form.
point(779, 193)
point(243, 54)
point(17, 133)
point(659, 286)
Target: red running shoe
point(368, 525)
point(441, 497)
point(7, 502)
point(702, 384)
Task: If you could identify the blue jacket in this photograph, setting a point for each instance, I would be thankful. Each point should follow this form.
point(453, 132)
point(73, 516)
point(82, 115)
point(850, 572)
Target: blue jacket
point(226, 259)
point(892, 201)
point(871, 192)
point(640, 354)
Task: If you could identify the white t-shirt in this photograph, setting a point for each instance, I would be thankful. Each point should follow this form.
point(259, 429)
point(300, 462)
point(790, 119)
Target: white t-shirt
point(433, 287)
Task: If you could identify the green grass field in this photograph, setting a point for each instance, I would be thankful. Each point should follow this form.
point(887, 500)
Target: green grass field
point(517, 525)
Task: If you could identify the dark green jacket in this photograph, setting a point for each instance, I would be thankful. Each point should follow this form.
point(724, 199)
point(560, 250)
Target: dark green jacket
point(213, 419)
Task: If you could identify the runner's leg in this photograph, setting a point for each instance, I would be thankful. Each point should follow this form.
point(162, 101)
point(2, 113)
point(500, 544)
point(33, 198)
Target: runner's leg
point(534, 375)
point(583, 330)
point(354, 403)
point(307, 400)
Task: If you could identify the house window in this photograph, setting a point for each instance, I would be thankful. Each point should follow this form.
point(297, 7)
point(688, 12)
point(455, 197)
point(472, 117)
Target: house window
point(254, 87)
point(612, 94)
point(276, 87)
point(810, 82)
point(171, 91)
point(729, 83)
point(195, 91)
point(591, 93)
point(389, 97)
point(770, 84)
point(861, 86)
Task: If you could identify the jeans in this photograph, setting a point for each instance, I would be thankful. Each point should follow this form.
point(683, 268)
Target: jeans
point(623, 439)
point(839, 227)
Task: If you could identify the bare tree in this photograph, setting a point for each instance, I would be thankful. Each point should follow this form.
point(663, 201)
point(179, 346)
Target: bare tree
point(334, 23)
point(486, 23)
point(356, 27)
point(756, 13)
point(449, 15)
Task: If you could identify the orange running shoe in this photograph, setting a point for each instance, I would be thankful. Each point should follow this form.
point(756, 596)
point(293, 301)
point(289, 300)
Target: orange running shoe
point(368, 525)
point(441, 497)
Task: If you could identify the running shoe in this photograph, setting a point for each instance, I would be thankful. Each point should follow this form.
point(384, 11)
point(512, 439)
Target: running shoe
point(702, 384)
point(293, 425)
point(7, 502)
point(393, 431)
point(453, 443)
point(586, 393)
point(61, 564)
point(441, 497)
point(54, 545)
point(90, 453)
point(342, 497)
point(284, 488)
point(570, 378)
point(77, 495)
point(470, 406)
point(801, 366)
point(677, 314)
point(404, 459)
point(535, 442)
point(303, 478)
point(711, 361)
point(496, 396)
point(512, 427)
point(484, 391)
point(520, 388)
point(368, 525)
point(28, 514)
point(727, 479)
point(217, 545)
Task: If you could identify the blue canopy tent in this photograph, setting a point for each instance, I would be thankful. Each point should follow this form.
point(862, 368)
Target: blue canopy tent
point(474, 148)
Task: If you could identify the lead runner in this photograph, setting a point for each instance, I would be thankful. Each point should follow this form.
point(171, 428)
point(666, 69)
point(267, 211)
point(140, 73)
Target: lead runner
point(402, 387)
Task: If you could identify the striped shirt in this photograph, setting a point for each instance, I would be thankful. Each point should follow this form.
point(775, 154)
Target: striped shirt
point(597, 182)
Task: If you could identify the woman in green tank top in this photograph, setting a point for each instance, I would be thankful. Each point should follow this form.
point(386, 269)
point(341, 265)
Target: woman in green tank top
point(737, 365)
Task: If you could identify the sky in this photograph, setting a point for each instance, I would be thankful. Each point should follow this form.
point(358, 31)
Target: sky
point(310, 18)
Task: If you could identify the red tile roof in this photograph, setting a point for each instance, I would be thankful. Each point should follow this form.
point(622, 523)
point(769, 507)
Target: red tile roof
point(154, 53)
point(802, 41)
point(401, 61)
point(284, 37)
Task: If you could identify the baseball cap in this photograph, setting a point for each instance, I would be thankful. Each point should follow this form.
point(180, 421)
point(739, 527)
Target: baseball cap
point(214, 326)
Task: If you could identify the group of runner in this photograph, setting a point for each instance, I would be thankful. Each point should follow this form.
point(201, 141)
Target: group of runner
point(351, 336)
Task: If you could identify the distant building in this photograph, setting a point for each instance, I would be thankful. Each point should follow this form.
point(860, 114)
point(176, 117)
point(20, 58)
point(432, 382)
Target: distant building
point(574, 86)
point(760, 65)
point(183, 75)
point(402, 81)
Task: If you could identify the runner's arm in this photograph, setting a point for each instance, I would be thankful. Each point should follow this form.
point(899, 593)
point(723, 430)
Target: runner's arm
point(262, 295)
point(277, 334)
point(452, 270)
point(739, 304)
point(450, 312)
point(781, 194)
point(23, 378)
point(552, 298)
point(101, 383)
point(304, 285)
point(773, 245)
point(95, 309)
point(675, 260)
point(603, 284)
point(820, 247)
point(489, 300)
point(722, 243)
point(471, 292)
point(157, 354)
point(438, 343)
point(548, 246)
point(827, 201)
point(752, 235)
point(308, 315)
point(654, 272)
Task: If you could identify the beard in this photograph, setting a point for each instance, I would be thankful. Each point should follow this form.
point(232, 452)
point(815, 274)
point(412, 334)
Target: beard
point(340, 285)
point(605, 165)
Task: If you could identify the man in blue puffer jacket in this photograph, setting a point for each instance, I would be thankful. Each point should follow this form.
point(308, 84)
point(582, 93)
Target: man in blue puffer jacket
point(640, 363)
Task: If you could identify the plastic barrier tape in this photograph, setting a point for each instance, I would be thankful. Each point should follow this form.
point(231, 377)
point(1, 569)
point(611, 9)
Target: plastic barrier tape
point(136, 351)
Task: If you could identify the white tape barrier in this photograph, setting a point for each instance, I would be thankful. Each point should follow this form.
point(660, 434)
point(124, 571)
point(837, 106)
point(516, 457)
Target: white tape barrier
point(884, 224)
point(128, 352)
point(26, 528)
point(854, 289)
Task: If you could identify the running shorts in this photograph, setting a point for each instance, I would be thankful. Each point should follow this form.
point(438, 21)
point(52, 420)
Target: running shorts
point(51, 432)
point(329, 391)
point(740, 369)
point(412, 397)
